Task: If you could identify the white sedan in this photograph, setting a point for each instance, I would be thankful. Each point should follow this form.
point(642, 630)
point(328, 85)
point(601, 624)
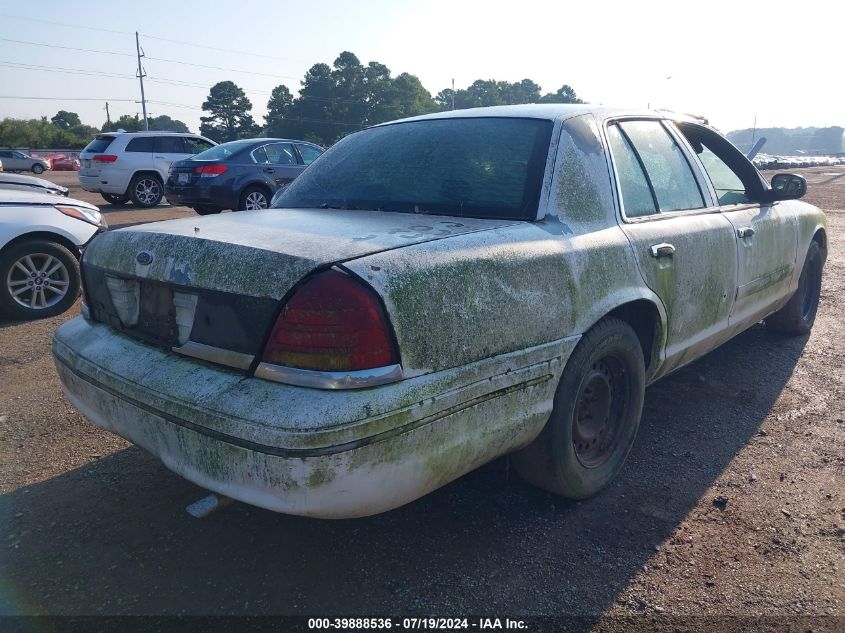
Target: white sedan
point(434, 293)
point(41, 239)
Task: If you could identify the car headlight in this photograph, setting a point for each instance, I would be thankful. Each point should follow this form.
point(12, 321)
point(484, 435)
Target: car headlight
point(81, 213)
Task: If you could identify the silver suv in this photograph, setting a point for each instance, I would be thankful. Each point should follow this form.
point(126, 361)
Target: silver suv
point(124, 166)
point(15, 160)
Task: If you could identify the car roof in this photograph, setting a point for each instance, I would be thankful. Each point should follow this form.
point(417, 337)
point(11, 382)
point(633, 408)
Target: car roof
point(150, 133)
point(545, 111)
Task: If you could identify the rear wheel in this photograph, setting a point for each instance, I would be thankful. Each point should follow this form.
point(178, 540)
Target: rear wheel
point(37, 279)
point(206, 210)
point(254, 198)
point(145, 190)
point(38, 168)
point(115, 198)
point(799, 314)
point(595, 417)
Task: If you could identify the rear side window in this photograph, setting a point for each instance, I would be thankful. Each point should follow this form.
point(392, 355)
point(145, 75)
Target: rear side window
point(260, 156)
point(672, 181)
point(140, 144)
point(169, 145)
point(99, 144)
point(281, 154)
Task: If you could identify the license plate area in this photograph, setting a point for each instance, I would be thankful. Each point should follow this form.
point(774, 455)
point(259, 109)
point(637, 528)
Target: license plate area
point(183, 178)
point(157, 314)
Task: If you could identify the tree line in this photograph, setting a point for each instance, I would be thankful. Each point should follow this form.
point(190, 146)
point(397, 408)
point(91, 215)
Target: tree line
point(332, 102)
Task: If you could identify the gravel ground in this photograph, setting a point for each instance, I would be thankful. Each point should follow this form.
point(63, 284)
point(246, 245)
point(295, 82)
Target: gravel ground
point(732, 504)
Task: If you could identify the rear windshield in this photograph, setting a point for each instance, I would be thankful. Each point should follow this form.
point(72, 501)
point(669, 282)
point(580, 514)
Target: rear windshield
point(99, 144)
point(468, 167)
point(223, 151)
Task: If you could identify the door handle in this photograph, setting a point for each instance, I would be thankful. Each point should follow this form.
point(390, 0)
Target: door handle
point(161, 157)
point(662, 250)
point(268, 170)
point(745, 231)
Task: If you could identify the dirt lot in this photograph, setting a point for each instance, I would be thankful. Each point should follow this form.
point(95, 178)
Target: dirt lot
point(732, 503)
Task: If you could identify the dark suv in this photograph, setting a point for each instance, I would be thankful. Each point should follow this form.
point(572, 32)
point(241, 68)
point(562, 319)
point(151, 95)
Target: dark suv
point(238, 175)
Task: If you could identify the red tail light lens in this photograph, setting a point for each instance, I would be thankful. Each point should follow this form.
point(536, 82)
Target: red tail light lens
point(208, 171)
point(332, 323)
point(104, 158)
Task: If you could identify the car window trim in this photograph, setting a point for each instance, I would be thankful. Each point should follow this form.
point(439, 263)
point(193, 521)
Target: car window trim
point(708, 208)
point(642, 168)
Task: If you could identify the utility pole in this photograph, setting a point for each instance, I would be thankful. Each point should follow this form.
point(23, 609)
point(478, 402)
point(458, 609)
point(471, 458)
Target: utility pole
point(453, 93)
point(108, 118)
point(141, 75)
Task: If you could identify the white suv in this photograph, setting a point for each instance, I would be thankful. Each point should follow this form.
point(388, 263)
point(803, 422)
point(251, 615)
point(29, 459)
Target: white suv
point(123, 166)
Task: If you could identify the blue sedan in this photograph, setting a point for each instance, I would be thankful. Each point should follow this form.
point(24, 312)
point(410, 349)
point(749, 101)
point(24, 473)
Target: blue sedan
point(238, 175)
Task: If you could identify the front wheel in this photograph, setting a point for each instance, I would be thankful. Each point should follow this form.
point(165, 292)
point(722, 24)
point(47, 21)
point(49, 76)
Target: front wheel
point(595, 417)
point(253, 199)
point(37, 168)
point(799, 314)
point(145, 191)
point(37, 279)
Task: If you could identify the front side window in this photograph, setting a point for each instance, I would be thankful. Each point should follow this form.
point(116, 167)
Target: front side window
point(309, 153)
point(672, 180)
point(733, 177)
point(482, 167)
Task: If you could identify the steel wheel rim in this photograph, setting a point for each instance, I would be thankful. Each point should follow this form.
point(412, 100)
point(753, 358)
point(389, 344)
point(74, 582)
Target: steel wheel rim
point(255, 201)
point(598, 416)
point(38, 281)
point(147, 191)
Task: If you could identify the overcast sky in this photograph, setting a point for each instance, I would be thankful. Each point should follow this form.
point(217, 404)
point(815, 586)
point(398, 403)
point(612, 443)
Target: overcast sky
point(728, 61)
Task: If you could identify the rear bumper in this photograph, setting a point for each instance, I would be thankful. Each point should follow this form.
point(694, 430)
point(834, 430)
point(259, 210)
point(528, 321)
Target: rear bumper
point(103, 184)
point(303, 451)
point(214, 197)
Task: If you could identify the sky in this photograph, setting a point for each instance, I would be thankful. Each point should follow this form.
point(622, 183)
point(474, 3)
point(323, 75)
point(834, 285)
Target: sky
point(730, 61)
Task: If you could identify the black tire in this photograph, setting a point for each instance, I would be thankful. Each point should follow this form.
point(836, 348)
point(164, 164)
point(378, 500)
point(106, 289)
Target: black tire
point(14, 279)
point(146, 190)
point(115, 198)
point(574, 456)
point(206, 210)
point(38, 168)
point(251, 196)
point(799, 314)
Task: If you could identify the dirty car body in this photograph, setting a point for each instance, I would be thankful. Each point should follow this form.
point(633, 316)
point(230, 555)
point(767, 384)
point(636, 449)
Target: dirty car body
point(435, 293)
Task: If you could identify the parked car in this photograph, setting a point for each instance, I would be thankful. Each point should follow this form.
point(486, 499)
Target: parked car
point(434, 293)
point(132, 166)
point(59, 162)
point(15, 160)
point(240, 175)
point(41, 238)
point(20, 182)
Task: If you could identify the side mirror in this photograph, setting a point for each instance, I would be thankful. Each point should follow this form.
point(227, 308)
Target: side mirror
point(787, 187)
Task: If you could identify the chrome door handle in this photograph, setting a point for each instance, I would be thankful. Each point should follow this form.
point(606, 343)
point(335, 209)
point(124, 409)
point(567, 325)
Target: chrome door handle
point(662, 250)
point(745, 231)
point(161, 157)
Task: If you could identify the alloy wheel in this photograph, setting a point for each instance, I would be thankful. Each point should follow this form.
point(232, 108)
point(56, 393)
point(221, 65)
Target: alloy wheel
point(37, 281)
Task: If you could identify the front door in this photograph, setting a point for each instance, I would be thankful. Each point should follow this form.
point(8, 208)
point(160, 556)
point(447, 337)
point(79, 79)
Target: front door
point(685, 249)
point(282, 160)
point(767, 234)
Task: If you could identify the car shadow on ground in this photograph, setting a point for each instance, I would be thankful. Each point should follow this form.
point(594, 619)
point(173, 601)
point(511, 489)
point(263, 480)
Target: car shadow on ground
point(113, 537)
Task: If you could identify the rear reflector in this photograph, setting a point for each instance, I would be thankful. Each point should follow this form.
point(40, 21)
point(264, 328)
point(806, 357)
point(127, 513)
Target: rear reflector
point(104, 158)
point(207, 171)
point(332, 323)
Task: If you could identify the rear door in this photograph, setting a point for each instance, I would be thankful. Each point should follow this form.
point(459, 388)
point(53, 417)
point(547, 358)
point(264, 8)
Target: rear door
point(166, 150)
point(281, 158)
point(766, 233)
point(685, 248)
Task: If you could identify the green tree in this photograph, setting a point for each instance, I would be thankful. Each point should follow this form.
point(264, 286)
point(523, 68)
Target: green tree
point(564, 94)
point(163, 123)
point(312, 111)
point(229, 114)
point(278, 109)
point(66, 120)
point(126, 122)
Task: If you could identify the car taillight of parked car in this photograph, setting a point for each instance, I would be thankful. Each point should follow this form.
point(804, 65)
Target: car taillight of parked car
point(209, 171)
point(332, 323)
point(104, 158)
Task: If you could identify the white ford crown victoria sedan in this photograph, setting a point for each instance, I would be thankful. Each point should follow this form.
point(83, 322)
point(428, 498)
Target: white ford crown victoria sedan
point(434, 293)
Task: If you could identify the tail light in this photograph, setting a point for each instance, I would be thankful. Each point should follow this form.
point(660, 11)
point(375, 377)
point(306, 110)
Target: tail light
point(209, 171)
point(104, 158)
point(332, 323)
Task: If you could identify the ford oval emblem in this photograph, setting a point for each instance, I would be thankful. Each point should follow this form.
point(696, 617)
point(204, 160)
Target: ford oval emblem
point(144, 258)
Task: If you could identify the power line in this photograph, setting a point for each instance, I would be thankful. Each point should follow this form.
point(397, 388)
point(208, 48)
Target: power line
point(76, 26)
point(67, 48)
point(65, 98)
